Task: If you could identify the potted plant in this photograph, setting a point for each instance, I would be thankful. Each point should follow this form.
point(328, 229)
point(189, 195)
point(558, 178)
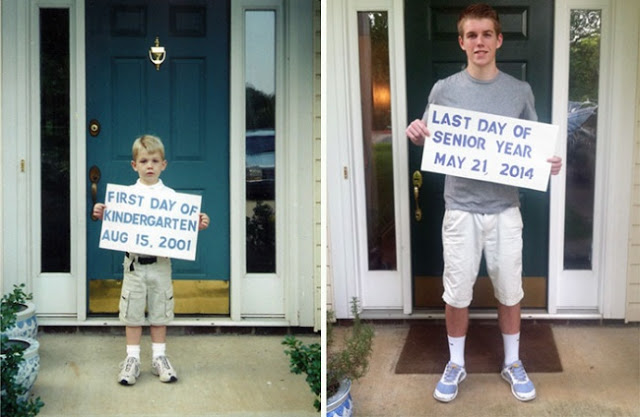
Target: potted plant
point(19, 314)
point(20, 361)
point(347, 361)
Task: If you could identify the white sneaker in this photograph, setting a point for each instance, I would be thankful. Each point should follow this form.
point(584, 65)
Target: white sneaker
point(162, 368)
point(129, 371)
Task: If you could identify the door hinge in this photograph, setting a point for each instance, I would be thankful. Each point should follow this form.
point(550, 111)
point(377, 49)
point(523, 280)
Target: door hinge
point(345, 173)
point(22, 165)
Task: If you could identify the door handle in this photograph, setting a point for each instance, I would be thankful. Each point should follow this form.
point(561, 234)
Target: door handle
point(94, 177)
point(417, 184)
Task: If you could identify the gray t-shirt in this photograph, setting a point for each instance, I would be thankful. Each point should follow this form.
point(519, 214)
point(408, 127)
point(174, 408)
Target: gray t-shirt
point(504, 95)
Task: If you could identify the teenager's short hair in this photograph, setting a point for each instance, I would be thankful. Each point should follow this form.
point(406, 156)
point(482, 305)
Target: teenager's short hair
point(150, 143)
point(479, 11)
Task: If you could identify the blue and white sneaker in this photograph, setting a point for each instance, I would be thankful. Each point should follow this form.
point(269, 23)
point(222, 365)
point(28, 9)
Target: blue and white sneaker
point(447, 387)
point(521, 386)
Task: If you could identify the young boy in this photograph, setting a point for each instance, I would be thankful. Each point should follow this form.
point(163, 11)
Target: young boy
point(147, 278)
point(482, 216)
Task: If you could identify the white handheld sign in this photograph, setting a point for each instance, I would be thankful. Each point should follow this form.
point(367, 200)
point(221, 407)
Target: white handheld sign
point(150, 223)
point(488, 147)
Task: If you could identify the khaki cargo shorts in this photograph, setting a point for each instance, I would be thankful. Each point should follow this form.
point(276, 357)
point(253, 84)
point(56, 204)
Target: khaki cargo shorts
point(146, 286)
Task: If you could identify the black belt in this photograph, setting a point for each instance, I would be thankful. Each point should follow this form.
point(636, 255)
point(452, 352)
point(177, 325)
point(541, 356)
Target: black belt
point(142, 260)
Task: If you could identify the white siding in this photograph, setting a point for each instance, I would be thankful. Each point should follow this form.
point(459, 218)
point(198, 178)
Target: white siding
point(633, 267)
point(317, 168)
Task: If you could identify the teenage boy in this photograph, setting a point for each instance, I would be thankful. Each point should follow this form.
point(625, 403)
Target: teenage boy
point(481, 215)
point(147, 279)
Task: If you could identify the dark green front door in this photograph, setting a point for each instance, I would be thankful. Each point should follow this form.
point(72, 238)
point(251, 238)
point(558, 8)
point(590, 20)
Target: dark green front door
point(184, 101)
point(432, 53)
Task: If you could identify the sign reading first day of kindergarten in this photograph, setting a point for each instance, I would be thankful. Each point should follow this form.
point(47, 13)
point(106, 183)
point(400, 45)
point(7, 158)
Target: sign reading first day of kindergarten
point(488, 147)
point(150, 222)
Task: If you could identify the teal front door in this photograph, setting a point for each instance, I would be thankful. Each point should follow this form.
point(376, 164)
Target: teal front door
point(184, 101)
point(432, 53)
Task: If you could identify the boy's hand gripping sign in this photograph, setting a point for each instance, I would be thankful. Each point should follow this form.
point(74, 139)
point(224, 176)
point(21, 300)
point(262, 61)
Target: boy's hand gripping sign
point(487, 147)
point(150, 223)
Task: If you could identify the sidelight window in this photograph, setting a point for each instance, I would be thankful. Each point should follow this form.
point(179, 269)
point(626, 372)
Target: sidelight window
point(582, 137)
point(55, 219)
point(377, 139)
point(260, 136)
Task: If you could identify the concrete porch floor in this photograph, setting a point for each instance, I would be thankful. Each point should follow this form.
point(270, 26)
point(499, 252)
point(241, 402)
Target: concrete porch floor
point(601, 377)
point(219, 375)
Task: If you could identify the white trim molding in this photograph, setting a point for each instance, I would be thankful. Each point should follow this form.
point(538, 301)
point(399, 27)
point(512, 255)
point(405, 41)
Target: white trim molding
point(602, 289)
point(345, 170)
point(71, 299)
point(289, 291)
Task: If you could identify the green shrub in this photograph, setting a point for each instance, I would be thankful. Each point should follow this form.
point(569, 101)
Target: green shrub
point(305, 359)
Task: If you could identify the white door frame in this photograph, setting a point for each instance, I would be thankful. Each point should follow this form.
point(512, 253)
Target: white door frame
point(285, 293)
point(600, 291)
point(21, 157)
point(249, 289)
point(384, 291)
point(381, 290)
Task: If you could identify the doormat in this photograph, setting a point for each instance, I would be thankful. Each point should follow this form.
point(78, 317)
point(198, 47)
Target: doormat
point(426, 350)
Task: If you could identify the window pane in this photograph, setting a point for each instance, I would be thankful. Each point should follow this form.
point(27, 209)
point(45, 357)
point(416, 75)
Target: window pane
point(54, 140)
point(375, 92)
point(582, 123)
point(260, 75)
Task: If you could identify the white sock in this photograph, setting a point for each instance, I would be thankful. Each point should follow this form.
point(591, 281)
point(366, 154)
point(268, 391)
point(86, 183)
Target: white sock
point(511, 347)
point(158, 349)
point(456, 349)
point(133, 351)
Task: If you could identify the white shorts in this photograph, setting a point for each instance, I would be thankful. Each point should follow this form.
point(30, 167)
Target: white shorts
point(464, 237)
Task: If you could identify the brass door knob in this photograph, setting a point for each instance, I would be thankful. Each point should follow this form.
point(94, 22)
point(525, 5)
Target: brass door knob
point(94, 177)
point(417, 184)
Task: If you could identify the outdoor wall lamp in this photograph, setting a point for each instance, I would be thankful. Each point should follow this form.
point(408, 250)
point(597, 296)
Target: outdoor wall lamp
point(157, 54)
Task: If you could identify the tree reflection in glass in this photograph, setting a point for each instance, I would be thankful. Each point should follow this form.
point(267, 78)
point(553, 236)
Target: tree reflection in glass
point(260, 125)
point(582, 124)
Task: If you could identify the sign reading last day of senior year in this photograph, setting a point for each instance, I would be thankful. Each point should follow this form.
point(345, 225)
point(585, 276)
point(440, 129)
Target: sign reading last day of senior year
point(488, 147)
point(150, 222)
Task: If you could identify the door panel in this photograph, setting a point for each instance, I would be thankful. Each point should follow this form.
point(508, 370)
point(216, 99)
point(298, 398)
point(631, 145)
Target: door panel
point(184, 102)
point(432, 53)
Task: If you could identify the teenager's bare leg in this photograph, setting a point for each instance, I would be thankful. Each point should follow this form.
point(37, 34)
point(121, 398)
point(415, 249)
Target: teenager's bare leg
point(457, 320)
point(159, 334)
point(509, 318)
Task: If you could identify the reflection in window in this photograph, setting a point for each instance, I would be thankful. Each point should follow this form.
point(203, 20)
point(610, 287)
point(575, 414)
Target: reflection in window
point(582, 123)
point(54, 140)
point(260, 74)
point(373, 39)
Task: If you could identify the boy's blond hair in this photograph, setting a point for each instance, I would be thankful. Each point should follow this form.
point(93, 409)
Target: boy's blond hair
point(150, 143)
point(479, 11)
